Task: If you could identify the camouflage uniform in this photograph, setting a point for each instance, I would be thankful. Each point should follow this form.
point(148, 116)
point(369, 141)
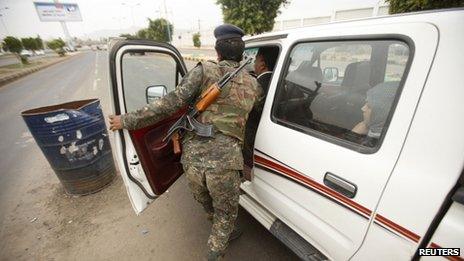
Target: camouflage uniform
point(211, 164)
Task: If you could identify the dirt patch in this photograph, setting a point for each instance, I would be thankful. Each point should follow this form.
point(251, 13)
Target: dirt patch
point(55, 222)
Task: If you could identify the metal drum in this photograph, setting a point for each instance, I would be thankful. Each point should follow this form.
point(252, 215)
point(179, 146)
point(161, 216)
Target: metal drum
point(73, 138)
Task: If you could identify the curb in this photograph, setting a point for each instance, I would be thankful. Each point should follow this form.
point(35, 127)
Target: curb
point(198, 59)
point(15, 76)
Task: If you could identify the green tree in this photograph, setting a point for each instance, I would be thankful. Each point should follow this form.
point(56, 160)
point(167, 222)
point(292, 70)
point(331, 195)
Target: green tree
point(253, 16)
point(142, 34)
point(39, 42)
point(57, 46)
point(159, 30)
point(404, 6)
point(14, 45)
point(30, 43)
point(196, 40)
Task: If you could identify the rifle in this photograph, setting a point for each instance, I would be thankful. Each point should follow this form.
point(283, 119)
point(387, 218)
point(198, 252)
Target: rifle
point(188, 122)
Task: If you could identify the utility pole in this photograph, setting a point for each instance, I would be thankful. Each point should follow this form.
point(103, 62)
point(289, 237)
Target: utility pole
point(167, 21)
point(1, 18)
point(132, 10)
point(65, 31)
point(199, 29)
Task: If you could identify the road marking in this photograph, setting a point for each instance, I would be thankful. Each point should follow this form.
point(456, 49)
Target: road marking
point(94, 87)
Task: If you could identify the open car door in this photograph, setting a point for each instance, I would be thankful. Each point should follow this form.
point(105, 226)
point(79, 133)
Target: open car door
point(142, 71)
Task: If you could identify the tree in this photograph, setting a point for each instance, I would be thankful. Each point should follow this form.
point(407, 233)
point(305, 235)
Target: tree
point(404, 6)
point(30, 43)
point(253, 16)
point(14, 45)
point(142, 33)
point(196, 40)
point(39, 42)
point(159, 30)
point(57, 46)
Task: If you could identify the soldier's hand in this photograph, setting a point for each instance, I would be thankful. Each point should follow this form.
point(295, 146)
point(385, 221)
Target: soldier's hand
point(115, 122)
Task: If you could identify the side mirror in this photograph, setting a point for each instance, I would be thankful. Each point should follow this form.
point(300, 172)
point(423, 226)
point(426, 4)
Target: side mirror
point(155, 92)
point(330, 74)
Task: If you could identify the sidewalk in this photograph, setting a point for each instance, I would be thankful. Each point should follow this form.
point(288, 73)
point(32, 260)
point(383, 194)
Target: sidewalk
point(198, 58)
point(12, 72)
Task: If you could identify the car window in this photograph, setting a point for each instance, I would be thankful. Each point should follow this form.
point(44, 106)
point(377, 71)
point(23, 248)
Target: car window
point(337, 58)
point(343, 91)
point(250, 53)
point(140, 70)
point(397, 57)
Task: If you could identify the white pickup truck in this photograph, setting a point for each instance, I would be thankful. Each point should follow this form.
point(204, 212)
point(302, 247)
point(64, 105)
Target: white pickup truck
point(359, 153)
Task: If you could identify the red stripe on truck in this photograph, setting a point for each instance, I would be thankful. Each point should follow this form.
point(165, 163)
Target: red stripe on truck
point(334, 195)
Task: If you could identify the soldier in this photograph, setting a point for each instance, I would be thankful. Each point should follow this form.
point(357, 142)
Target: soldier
point(211, 165)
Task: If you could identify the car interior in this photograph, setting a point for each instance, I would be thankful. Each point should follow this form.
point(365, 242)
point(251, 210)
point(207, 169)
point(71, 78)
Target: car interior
point(309, 99)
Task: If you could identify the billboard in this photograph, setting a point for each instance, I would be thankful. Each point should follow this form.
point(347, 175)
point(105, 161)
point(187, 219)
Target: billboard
point(52, 12)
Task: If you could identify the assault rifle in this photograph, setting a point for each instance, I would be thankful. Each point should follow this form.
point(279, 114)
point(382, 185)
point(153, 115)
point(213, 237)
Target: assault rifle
point(188, 122)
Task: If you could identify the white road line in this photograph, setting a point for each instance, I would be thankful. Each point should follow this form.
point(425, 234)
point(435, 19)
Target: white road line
point(94, 87)
point(96, 63)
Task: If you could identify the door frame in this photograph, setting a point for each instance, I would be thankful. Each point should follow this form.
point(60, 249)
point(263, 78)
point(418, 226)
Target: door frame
point(122, 137)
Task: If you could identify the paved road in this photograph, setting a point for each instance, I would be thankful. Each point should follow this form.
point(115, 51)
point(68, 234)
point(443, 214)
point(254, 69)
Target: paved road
point(39, 222)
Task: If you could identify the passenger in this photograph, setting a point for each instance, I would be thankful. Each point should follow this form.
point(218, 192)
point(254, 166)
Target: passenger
point(265, 61)
point(264, 65)
point(375, 112)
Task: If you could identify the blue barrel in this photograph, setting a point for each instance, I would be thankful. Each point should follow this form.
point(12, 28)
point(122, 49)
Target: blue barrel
point(74, 139)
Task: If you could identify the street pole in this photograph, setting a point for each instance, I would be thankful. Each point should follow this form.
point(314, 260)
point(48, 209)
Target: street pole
point(167, 21)
point(132, 15)
point(132, 11)
point(3, 22)
point(66, 32)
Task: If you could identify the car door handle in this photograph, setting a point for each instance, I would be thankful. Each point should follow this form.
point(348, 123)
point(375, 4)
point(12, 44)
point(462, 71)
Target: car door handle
point(340, 185)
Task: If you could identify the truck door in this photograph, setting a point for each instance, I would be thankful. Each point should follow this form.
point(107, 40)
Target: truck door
point(333, 127)
point(142, 71)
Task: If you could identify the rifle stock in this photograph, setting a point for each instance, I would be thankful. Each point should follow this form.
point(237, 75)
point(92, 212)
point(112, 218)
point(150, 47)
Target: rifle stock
point(208, 97)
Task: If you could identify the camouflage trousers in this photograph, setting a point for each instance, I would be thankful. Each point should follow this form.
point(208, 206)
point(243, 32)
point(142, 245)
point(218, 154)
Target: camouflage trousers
point(218, 192)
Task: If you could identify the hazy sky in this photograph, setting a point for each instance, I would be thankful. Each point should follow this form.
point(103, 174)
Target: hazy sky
point(21, 19)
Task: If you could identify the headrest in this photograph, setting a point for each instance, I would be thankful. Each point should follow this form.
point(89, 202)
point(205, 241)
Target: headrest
point(357, 75)
point(305, 75)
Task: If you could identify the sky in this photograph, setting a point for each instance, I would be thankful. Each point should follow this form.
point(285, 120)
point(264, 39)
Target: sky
point(21, 19)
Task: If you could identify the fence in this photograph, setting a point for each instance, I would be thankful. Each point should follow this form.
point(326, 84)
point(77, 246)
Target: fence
point(184, 38)
point(336, 15)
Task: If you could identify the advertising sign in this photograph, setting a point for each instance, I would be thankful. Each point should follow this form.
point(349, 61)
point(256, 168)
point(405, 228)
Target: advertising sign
point(53, 12)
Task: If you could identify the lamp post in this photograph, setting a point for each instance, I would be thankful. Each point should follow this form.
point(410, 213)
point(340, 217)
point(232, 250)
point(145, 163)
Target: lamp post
point(132, 10)
point(119, 19)
point(1, 18)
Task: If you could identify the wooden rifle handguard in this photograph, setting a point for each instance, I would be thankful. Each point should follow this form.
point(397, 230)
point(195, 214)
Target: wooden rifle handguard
point(176, 143)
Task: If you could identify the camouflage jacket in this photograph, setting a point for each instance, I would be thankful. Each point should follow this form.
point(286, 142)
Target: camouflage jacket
point(228, 113)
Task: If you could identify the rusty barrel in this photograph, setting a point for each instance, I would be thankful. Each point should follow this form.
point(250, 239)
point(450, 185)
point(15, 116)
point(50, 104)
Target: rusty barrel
point(74, 139)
